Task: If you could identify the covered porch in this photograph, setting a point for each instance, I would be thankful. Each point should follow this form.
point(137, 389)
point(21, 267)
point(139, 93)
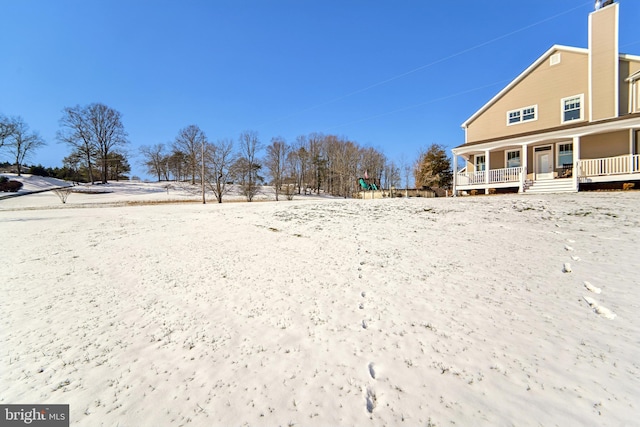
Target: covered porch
point(553, 161)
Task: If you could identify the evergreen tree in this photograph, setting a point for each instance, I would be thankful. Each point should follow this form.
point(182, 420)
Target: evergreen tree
point(433, 168)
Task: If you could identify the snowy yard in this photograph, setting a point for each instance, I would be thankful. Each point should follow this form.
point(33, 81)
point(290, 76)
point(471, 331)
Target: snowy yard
point(501, 310)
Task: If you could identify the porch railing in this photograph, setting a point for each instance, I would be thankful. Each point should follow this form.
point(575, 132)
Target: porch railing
point(610, 165)
point(470, 178)
point(505, 175)
point(495, 176)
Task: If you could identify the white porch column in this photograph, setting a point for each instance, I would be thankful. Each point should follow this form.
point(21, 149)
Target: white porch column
point(632, 145)
point(455, 174)
point(523, 156)
point(576, 162)
point(486, 171)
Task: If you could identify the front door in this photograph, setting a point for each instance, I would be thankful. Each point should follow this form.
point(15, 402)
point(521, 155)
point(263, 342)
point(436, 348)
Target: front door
point(544, 163)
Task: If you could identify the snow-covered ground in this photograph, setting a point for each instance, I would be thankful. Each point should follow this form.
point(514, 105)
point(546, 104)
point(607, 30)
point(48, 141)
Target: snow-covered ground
point(122, 193)
point(496, 310)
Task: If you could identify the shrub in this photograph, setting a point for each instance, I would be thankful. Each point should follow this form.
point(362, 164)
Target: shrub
point(9, 186)
point(473, 192)
point(492, 191)
point(62, 193)
point(628, 186)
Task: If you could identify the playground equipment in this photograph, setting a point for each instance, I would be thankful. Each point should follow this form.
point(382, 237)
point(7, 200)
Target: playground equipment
point(367, 186)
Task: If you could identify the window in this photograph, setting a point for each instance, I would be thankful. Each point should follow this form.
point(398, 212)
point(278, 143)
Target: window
point(528, 114)
point(513, 159)
point(480, 163)
point(565, 154)
point(572, 108)
point(522, 115)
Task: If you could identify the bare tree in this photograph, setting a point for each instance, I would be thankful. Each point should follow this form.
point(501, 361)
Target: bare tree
point(76, 133)
point(276, 157)
point(406, 169)
point(22, 142)
point(154, 159)
point(219, 158)
point(189, 142)
point(248, 164)
point(94, 131)
point(298, 160)
point(318, 159)
point(392, 176)
point(6, 129)
point(108, 131)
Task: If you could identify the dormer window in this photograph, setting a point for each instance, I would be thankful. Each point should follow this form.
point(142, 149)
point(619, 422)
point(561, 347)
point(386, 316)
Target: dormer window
point(572, 108)
point(521, 115)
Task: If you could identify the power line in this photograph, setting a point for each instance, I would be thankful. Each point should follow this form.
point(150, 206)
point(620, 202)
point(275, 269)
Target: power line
point(410, 107)
point(422, 67)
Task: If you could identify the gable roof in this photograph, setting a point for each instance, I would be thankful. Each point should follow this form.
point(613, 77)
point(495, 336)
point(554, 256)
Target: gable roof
point(521, 77)
point(531, 67)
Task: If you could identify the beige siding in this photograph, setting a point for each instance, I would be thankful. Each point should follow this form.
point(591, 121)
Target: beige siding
point(628, 68)
point(545, 86)
point(603, 46)
point(623, 103)
point(497, 160)
point(633, 99)
point(604, 145)
point(472, 163)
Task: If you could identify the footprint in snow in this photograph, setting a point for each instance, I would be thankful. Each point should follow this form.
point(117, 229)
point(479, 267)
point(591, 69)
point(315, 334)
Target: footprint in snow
point(592, 288)
point(372, 370)
point(602, 311)
point(566, 267)
point(372, 400)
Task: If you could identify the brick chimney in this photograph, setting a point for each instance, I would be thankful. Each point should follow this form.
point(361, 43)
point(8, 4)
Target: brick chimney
point(604, 64)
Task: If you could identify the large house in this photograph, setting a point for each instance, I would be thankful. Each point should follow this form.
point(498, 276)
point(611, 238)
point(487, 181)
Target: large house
point(571, 118)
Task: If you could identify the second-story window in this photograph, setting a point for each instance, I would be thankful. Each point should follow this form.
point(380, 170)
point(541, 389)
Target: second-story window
point(572, 108)
point(522, 115)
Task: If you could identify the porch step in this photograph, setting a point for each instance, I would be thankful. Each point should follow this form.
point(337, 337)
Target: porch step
point(552, 186)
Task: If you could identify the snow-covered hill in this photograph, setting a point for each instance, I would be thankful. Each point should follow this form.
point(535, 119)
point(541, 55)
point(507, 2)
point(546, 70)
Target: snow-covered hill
point(484, 311)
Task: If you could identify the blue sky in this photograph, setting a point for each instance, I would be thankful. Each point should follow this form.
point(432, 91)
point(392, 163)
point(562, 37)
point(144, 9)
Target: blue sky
point(394, 75)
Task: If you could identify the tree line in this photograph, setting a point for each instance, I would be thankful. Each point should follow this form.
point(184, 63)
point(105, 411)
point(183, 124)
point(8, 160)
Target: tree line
point(94, 133)
point(312, 163)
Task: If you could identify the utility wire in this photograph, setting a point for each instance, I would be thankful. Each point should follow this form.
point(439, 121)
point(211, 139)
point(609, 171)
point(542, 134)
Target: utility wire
point(410, 107)
point(438, 61)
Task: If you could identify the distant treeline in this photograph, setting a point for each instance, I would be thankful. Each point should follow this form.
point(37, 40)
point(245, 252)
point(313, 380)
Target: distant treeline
point(66, 173)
